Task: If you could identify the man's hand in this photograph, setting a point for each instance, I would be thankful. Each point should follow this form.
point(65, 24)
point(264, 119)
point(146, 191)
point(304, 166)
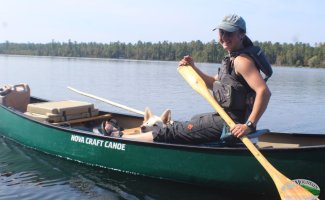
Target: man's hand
point(187, 60)
point(240, 130)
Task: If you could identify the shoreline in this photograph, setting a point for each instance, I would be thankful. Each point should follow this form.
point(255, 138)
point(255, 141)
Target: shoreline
point(133, 60)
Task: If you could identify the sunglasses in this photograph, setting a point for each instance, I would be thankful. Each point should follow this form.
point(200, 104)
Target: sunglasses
point(225, 33)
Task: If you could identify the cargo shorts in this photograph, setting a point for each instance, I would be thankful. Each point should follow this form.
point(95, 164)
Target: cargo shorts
point(203, 128)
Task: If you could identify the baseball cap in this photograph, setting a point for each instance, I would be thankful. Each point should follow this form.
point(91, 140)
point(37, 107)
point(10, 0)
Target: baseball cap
point(232, 23)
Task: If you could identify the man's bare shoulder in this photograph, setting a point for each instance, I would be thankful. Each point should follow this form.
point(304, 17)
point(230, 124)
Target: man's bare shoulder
point(243, 63)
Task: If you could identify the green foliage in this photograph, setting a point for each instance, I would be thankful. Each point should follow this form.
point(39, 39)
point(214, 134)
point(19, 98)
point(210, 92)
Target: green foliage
point(314, 61)
point(299, 54)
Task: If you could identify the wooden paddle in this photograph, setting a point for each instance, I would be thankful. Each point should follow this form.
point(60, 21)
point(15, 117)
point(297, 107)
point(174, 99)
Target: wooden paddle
point(107, 101)
point(286, 187)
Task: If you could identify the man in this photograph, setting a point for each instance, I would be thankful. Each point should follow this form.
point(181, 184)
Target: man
point(239, 76)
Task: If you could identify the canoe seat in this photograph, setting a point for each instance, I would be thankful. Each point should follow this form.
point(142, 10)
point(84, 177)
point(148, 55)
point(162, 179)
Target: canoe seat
point(227, 139)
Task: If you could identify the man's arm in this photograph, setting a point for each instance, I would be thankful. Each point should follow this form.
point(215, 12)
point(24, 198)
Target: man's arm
point(209, 80)
point(245, 66)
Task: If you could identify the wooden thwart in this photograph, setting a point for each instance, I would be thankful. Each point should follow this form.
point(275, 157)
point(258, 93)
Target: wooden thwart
point(76, 121)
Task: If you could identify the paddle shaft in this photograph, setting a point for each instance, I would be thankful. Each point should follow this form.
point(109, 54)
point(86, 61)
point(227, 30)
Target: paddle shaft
point(287, 189)
point(107, 101)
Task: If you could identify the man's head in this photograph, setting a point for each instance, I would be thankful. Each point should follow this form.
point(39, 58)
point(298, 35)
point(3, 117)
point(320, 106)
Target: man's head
point(232, 23)
point(232, 31)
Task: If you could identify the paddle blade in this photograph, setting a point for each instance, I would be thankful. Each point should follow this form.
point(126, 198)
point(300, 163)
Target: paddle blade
point(288, 189)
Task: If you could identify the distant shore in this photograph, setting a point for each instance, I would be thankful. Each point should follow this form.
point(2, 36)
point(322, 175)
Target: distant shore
point(299, 54)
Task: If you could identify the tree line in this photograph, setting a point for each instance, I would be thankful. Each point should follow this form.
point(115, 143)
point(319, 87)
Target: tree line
point(298, 54)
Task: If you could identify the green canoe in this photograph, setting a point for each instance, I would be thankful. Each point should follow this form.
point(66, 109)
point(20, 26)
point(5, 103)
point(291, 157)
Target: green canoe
point(300, 157)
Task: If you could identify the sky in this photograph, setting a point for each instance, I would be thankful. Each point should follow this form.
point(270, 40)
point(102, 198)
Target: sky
point(130, 21)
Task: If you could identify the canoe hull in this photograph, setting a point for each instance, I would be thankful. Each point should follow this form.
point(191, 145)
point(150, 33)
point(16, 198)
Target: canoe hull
point(224, 168)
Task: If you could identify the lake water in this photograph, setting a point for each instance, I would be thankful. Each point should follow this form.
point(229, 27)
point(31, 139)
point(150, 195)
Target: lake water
point(296, 106)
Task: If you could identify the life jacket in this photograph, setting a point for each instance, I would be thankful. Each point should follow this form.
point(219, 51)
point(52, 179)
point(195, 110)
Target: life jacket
point(259, 58)
point(231, 90)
